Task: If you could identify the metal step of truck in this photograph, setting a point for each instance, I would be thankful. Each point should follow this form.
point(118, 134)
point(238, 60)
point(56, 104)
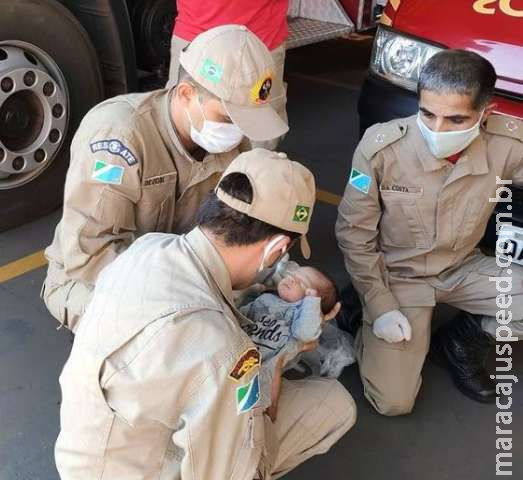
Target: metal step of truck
point(304, 31)
point(312, 21)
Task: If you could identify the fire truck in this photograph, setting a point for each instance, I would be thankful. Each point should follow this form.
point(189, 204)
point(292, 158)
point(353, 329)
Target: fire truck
point(58, 58)
point(411, 31)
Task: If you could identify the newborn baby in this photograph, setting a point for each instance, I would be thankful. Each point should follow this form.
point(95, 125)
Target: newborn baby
point(282, 322)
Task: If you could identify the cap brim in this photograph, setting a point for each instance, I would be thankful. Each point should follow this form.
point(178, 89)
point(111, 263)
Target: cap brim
point(260, 123)
point(305, 247)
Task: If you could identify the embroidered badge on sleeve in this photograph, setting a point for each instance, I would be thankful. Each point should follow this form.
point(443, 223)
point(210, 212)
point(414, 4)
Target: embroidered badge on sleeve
point(116, 148)
point(247, 396)
point(107, 173)
point(249, 360)
point(359, 181)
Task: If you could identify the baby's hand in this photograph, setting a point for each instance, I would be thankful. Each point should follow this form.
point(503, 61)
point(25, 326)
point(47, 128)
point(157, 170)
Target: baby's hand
point(311, 292)
point(308, 346)
point(335, 310)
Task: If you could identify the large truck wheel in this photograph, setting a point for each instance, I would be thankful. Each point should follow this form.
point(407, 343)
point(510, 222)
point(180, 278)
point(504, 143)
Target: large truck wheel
point(49, 78)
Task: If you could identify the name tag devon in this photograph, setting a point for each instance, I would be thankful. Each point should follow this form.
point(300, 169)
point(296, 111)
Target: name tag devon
point(397, 188)
point(160, 179)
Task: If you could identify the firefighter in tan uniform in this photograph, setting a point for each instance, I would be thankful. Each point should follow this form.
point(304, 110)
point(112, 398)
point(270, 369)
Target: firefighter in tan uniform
point(414, 209)
point(162, 382)
point(143, 162)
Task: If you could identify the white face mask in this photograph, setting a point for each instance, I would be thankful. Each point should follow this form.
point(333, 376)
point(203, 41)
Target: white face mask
point(446, 144)
point(215, 137)
point(265, 272)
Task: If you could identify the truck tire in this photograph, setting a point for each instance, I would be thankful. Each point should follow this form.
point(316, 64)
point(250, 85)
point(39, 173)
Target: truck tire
point(49, 78)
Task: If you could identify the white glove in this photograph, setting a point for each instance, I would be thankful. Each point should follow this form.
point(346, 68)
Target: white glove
point(393, 327)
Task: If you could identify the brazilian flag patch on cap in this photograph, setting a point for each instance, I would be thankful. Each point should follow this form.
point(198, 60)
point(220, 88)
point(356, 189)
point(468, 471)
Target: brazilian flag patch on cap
point(301, 213)
point(211, 71)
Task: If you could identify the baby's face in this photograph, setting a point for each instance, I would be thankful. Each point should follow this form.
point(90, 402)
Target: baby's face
point(292, 287)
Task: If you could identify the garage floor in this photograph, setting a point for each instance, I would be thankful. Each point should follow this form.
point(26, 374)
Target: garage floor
point(447, 436)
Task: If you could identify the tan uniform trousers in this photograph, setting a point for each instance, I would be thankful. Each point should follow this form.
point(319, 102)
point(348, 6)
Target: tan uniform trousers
point(278, 92)
point(313, 414)
point(391, 373)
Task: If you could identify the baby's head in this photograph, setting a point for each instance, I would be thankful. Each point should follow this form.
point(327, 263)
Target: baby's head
point(292, 287)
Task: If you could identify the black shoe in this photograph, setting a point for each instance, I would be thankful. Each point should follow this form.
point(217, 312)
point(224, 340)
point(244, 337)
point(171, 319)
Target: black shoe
point(350, 316)
point(462, 347)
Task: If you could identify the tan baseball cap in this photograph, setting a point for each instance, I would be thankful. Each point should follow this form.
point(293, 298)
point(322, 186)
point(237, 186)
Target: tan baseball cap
point(234, 64)
point(284, 191)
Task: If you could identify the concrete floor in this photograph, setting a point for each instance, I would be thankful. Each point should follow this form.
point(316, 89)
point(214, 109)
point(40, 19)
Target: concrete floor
point(446, 437)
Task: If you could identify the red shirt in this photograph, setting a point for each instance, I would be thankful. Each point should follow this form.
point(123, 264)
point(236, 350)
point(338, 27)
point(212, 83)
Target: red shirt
point(454, 158)
point(265, 18)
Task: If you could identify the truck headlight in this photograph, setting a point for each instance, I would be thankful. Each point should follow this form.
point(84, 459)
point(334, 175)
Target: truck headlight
point(399, 58)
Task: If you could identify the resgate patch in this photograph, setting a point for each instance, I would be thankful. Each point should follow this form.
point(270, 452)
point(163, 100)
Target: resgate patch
point(247, 362)
point(116, 148)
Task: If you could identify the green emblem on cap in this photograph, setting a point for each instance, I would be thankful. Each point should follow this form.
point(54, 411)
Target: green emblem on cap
point(301, 214)
point(211, 71)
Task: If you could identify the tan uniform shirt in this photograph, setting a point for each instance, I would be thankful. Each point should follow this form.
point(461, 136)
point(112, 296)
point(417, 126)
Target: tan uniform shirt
point(161, 380)
point(405, 213)
point(129, 175)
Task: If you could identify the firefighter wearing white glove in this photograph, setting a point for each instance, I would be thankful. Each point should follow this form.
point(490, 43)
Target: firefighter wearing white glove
point(393, 327)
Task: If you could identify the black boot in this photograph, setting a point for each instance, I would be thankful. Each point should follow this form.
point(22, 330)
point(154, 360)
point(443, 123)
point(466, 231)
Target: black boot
point(462, 347)
point(350, 316)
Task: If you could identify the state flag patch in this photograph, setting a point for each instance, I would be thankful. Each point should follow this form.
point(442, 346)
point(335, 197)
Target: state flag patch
point(247, 396)
point(107, 173)
point(360, 181)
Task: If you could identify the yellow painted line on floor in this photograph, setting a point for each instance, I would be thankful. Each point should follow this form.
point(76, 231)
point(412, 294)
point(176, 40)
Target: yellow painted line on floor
point(22, 265)
point(328, 197)
point(37, 259)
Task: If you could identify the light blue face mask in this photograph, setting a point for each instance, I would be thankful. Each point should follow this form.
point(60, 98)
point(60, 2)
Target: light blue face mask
point(446, 144)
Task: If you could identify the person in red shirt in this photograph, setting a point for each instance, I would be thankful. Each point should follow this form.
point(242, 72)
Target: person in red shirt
point(265, 18)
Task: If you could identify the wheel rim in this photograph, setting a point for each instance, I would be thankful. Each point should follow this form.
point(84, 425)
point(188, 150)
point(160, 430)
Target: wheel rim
point(34, 112)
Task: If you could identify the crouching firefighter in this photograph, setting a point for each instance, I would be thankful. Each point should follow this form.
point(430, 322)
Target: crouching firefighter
point(414, 209)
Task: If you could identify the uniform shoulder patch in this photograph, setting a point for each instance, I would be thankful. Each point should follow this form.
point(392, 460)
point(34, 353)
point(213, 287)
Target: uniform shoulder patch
point(505, 125)
point(106, 173)
point(247, 396)
point(116, 147)
point(360, 181)
point(248, 361)
point(379, 136)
